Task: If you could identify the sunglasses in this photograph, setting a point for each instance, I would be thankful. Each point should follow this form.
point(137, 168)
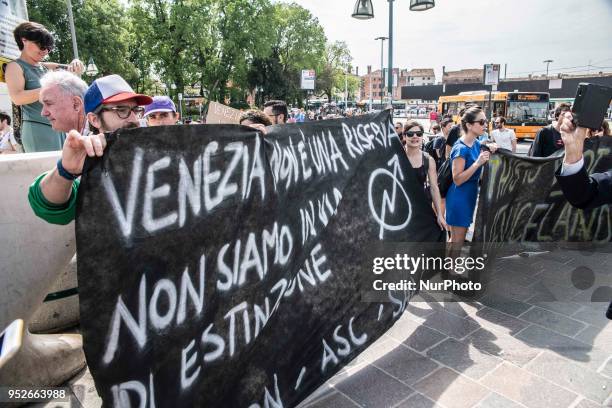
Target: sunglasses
point(481, 122)
point(48, 48)
point(411, 133)
point(45, 48)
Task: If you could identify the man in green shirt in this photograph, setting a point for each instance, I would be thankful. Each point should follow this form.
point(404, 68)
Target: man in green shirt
point(110, 104)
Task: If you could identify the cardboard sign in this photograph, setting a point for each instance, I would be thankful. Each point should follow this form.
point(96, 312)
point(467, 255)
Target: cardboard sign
point(221, 114)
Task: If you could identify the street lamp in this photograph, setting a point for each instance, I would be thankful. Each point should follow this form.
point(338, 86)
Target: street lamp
point(547, 62)
point(382, 69)
point(364, 10)
point(422, 5)
point(91, 70)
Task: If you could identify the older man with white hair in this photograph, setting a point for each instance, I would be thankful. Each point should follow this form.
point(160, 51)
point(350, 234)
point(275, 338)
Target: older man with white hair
point(61, 95)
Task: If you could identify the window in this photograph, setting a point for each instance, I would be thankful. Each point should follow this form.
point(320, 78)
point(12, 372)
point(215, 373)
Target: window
point(527, 112)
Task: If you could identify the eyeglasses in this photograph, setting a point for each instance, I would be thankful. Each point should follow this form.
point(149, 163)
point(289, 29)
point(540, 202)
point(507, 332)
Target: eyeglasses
point(411, 133)
point(481, 122)
point(123, 111)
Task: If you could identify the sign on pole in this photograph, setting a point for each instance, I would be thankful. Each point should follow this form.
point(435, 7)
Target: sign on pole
point(308, 79)
point(12, 13)
point(491, 74)
point(555, 83)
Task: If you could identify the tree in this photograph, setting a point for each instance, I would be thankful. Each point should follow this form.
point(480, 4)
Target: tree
point(336, 63)
point(298, 42)
point(242, 30)
point(166, 38)
point(203, 43)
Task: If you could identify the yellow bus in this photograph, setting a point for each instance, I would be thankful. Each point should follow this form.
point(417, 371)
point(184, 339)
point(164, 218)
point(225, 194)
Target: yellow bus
point(525, 112)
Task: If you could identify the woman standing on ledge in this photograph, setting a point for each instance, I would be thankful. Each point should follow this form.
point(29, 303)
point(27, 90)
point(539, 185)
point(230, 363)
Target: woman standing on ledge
point(23, 82)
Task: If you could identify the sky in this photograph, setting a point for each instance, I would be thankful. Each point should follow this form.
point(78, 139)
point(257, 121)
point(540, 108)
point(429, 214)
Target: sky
point(463, 34)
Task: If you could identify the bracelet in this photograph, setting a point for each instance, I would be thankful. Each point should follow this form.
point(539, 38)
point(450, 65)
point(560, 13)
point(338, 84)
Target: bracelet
point(65, 173)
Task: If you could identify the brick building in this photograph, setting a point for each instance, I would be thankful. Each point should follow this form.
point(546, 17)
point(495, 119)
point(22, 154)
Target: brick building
point(372, 86)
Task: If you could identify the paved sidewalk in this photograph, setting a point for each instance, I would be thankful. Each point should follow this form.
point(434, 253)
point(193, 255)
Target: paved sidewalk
point(537, 341)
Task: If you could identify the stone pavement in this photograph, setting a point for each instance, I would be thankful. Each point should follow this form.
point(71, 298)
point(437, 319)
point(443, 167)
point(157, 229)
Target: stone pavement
point(536, 340)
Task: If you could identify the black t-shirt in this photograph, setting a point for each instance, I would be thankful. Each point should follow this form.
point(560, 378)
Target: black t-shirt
point(453, 135)
point(439, 150)
point(547, 141)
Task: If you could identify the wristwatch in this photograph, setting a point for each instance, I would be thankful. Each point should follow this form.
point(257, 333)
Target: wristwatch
point(65, 173)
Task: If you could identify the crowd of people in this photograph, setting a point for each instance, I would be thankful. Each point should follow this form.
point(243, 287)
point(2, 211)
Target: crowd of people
point(61, 112)
point(466, 147)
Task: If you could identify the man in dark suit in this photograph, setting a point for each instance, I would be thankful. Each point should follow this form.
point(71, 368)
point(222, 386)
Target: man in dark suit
point(580, 189)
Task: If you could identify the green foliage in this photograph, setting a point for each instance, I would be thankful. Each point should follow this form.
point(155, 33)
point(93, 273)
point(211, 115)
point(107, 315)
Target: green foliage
point(336, 62)
point(221, 49)
point(297, 43)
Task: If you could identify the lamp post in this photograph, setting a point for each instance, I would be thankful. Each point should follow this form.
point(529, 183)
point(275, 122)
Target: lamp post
point(371, 99)
point(346, 90)
point(547, 62)
point(75, 49)
point(364, 10)
point(346, 69)
point(382, 69)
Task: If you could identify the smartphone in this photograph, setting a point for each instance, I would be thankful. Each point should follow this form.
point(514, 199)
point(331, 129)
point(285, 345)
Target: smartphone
point(590, 105)
point(10, 341)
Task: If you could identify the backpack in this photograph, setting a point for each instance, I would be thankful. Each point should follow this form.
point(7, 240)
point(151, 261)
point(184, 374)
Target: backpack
point(445, 177)
point(430, 149)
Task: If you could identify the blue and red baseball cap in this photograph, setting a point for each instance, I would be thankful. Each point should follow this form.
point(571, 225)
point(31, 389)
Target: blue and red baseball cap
point(111, 89)
point(160, 104)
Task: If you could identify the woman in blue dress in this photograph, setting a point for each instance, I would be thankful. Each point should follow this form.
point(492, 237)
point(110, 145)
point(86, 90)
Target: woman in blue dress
point(466, 162)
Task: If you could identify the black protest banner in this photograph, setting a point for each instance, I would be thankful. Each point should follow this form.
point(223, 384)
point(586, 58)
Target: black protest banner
point(521, 201)
point(220, 267)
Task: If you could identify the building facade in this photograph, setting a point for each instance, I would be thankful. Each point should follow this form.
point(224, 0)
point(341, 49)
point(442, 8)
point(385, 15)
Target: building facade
point(464, 76)
point(374, 85)
point(421, 76)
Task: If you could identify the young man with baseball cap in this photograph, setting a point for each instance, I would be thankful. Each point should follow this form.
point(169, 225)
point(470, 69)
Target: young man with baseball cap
point(110, 104)
point(161, 112)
